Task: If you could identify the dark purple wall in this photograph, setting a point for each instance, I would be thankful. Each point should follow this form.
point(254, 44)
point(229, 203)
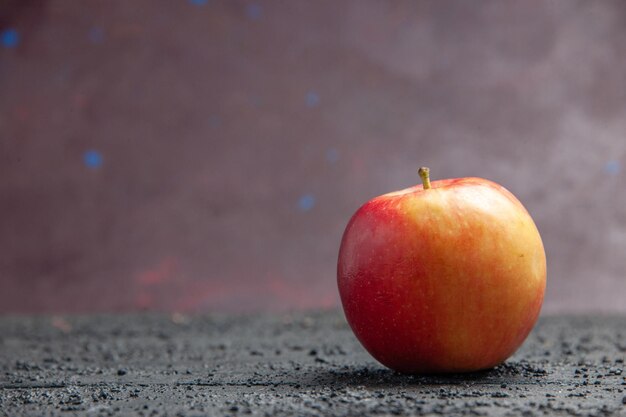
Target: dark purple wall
point(206, 155)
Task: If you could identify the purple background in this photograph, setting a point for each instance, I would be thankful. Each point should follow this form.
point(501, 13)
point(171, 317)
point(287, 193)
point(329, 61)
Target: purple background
point(206, 155)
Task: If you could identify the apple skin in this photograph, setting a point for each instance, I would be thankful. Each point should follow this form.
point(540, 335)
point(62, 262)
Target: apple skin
point(445, 279)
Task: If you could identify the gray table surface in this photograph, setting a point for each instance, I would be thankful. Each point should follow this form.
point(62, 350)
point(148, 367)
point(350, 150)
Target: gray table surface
point(294, 364)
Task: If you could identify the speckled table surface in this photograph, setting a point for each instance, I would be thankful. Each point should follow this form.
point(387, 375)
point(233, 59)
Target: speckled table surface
point(301, 364)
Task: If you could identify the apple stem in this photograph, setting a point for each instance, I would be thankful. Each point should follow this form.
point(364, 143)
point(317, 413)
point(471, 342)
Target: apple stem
point(425, 176)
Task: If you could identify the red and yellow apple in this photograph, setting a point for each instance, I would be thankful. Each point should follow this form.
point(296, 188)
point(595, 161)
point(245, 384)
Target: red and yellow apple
point(447, 276)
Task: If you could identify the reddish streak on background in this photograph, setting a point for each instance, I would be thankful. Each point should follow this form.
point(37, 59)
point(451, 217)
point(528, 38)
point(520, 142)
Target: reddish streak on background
point(165, 287)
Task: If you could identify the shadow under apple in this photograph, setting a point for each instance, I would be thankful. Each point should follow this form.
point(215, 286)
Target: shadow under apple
point(509, 373)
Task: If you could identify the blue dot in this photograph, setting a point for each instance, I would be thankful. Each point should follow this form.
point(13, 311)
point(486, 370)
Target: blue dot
point(306, 202)
point(332, 155)
point(10, 38)
point(92, 159)
point(215, 121)
point(312, 99)
point(96, 34)
point(254, 11)
point(198, 2)
point(256, 101)
point(612, 167)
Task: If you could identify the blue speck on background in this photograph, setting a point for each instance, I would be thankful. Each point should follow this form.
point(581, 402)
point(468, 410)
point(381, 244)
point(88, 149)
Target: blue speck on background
point(256, 101)
point(198, 2)
point(254, 11)
point(92, 159)
point(306, 202)
point(612, 167)
point(96, 34)
point(10, 38)
point(214, 120)
point(332, 155)
point(312, 99)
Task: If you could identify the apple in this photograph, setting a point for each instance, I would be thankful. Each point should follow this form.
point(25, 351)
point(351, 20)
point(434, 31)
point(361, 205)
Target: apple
point(442, 277)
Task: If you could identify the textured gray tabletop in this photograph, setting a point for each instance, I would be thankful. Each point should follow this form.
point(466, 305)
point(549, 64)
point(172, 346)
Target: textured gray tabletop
point(303, 364)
